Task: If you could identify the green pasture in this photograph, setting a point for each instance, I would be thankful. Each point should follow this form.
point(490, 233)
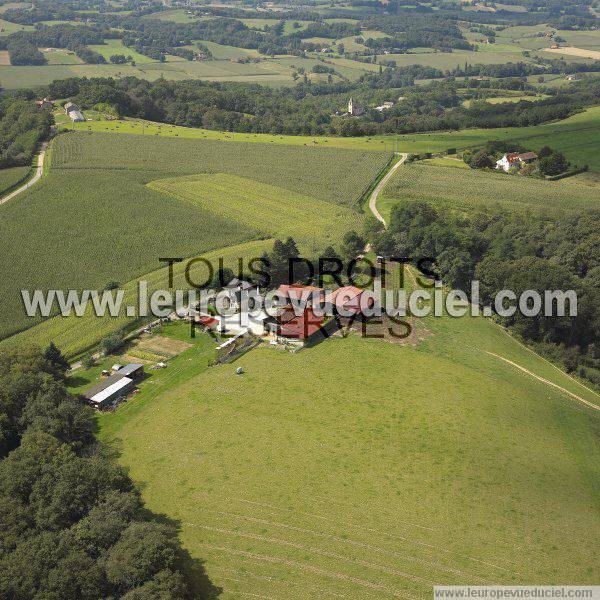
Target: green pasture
point(6, 27)
point(468, 190)
point(577, 136)
point(270, 209)
point(361, 468)
point(111, 47)
point(582, 39)
point(258, 23)
point(266, 72)
point(289, 26)
point(222, 51)
point(59, 56)
point(446, 161)
point(178, 15)
point(119, 227)
point(458, 58)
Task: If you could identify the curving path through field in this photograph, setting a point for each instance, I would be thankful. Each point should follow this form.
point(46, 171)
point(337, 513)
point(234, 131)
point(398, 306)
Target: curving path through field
point(381, 185)
point(376, 213)
point(36, 176)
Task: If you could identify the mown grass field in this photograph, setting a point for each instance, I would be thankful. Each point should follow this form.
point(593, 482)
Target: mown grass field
point(365, 469)
point(444, 185)
point(578, 137)
point(111, 47)
point(270, 209)
point(93, 219)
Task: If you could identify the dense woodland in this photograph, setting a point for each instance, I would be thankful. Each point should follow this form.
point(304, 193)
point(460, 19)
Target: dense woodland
point(316, 108)
point(507, 251)
point(72, 523)
point(22, 127)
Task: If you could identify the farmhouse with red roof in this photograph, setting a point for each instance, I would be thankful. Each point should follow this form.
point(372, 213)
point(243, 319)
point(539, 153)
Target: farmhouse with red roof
point(514, 159)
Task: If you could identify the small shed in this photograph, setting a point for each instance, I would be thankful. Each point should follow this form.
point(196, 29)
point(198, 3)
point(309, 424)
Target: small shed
point(103, 394)
point(133, 370)
point(76, 116)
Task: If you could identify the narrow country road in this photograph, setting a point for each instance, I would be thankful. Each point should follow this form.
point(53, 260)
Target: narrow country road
point(36, 177)
point(380, 186)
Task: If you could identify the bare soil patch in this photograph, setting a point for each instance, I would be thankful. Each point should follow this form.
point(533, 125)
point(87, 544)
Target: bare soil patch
point(163, 345)
point(574, 51)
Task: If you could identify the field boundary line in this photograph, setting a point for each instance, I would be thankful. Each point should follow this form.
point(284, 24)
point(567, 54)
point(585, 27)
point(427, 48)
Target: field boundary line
point(317, 570)
point(546, 381)
point(318, 552)
point(37, 175)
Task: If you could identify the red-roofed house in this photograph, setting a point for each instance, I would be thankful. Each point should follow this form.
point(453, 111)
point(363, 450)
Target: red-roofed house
point(298, 292)
point(207, 321)
point(514, 159)
point(286, 324)
point(347, 300)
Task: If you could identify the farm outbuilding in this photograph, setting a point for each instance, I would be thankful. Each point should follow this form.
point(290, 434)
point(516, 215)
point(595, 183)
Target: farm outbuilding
point(134, 370)
point(116, 386)
point(301, 329)
point(104, 393)
point(76, 116)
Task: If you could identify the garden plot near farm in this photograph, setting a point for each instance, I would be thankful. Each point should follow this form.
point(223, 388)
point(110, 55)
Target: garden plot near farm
point(93, 219)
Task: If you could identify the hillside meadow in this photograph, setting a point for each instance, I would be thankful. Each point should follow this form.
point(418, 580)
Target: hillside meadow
point(361, 468)
point(578, 137)
point(441, 183)
point(93, 219)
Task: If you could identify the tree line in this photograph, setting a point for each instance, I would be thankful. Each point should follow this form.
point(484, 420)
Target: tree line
point(73, 523)
point(515, 252)
point(22, 127)
point(311, 109)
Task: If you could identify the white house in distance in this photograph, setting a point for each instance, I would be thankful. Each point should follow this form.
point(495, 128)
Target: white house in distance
point(514, 159)
point(74, 112)
point(384, 106)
